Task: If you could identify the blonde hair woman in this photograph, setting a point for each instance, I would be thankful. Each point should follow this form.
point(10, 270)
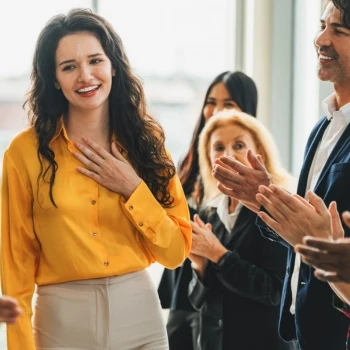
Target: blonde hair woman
point(263, 142)
point(238, 274)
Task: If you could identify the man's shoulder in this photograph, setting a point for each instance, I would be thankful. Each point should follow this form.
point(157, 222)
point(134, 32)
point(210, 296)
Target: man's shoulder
point(315, 129)
point(319, 124)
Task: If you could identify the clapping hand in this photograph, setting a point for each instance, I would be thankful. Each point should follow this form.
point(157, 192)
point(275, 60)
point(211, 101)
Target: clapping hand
point(240, 181)
point(204, 241)
point(330, 258)
point(292, 217)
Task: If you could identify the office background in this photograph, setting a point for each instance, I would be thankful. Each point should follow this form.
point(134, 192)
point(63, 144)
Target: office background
point(177, 48)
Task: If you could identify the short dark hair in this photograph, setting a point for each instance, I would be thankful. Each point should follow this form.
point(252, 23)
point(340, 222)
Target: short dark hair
point(344, 7)
point(140, 135)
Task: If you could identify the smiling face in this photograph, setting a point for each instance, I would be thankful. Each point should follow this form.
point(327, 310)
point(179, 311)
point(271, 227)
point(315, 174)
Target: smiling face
point(231, 140)
point(333, 47)
point(83, 72)
point(218, 99)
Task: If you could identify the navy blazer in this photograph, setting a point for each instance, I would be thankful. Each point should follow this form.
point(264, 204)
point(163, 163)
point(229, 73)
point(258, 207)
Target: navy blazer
point(316, 323)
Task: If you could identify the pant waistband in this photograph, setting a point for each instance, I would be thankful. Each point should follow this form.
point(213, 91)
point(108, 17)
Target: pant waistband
point(104, 281)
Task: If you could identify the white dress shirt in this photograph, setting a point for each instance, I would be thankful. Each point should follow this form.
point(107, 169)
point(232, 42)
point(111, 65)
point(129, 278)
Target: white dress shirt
point(338, 122)
point(221, 203)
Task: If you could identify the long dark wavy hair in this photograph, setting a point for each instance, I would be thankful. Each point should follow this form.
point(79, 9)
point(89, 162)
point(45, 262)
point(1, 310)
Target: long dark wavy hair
point(136, 131)
point(344, 7)
point(243, 91)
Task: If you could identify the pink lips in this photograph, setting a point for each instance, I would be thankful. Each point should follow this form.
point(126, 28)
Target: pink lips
point(88, 93)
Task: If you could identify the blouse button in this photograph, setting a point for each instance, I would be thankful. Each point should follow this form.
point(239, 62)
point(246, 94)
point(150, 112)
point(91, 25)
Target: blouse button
point(106, 263)
point(94, 234)
point(131, 207)
point(93, 202)
point(141, 224)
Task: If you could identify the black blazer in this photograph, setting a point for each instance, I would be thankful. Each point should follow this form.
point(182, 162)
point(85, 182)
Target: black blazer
point(317, 324)
point(239, 302)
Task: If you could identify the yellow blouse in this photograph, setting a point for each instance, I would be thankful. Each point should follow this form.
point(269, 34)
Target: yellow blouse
point(92, 233)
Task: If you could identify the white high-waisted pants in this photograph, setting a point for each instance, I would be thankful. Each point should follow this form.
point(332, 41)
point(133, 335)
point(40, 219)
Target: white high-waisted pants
point(114, 313)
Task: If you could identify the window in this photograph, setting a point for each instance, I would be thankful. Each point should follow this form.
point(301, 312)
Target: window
point(308, 91)
point(24, 20)
point(177, 48)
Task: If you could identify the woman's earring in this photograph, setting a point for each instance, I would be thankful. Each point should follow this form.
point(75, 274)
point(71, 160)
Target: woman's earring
point(57, 86)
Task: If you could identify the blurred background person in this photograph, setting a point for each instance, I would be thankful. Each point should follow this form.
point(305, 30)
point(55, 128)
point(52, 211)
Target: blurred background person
point(9, 310)
point(227, 91)
point(238, 274)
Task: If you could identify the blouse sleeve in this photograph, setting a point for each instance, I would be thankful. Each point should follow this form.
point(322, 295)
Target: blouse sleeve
point(167, 231)
point(19, 250)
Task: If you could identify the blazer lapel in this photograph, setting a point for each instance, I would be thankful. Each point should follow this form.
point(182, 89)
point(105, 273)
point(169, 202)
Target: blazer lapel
point(304, 173)
point(219, 228)
point(245, 218)
point(342, 142)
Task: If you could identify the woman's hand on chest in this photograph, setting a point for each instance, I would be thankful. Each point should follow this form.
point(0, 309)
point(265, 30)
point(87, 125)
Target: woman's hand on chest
point(112, 171)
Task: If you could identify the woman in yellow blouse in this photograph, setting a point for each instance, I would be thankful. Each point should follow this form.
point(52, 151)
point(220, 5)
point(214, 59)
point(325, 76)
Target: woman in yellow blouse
point(90, 198)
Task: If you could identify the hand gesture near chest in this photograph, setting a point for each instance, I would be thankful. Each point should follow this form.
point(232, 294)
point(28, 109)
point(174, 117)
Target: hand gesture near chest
point(111, 170)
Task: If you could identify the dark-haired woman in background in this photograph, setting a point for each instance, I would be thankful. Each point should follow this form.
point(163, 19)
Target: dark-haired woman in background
point(90, 198)
point(227, 91)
